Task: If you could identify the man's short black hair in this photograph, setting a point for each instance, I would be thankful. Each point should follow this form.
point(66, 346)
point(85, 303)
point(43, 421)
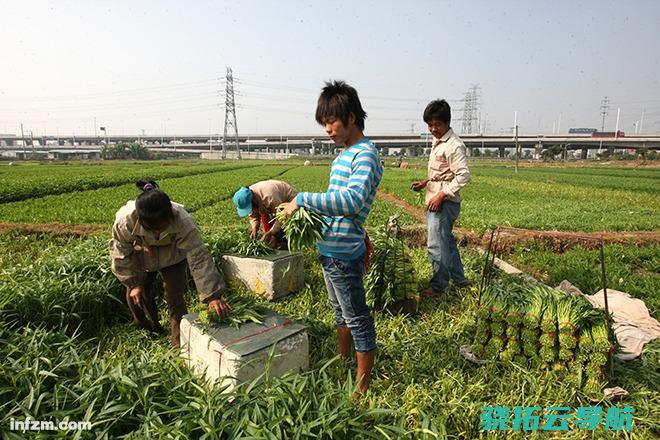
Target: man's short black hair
point(339, 100)
point(438, 109)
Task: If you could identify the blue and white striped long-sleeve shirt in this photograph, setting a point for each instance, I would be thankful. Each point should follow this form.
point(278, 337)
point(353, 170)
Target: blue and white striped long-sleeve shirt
point(354, 178)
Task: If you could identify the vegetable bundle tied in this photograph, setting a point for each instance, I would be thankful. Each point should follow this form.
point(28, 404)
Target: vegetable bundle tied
point(573, 312)
point(303, 229)
point(594, 350)
point(390, 277)
point(535, 325)
point(549, 350)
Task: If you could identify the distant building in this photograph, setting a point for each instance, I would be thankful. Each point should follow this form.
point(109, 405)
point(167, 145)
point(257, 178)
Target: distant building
point(74, 154)
point(4, 142)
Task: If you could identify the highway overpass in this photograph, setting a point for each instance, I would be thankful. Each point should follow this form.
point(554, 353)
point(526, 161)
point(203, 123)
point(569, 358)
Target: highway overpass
point(304, 144)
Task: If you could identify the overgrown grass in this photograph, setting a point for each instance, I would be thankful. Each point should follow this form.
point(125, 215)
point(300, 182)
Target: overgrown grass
point(19, 249)
point(146, 392)
point(130, 384)
point(72, 291)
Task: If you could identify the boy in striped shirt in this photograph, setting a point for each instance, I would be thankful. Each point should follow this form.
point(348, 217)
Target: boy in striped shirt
point(354, 178)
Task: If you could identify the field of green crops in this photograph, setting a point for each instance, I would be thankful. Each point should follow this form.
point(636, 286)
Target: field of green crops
point(68, 350)
point(577, 199)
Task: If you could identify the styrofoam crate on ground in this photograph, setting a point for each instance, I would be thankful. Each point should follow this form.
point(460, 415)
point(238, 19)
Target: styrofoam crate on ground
point(241, 354)
point(270, 277)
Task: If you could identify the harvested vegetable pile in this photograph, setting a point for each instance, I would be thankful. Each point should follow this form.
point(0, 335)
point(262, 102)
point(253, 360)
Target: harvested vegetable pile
point(536, 326)
point(242, 310)
point(249, 247)
point(390, 277)
point(303, 229)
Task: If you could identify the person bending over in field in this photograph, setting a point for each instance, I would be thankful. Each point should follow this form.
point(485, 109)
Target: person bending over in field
point(259, 202)
point(152, 234)
point(447, 173)
point(354, 177)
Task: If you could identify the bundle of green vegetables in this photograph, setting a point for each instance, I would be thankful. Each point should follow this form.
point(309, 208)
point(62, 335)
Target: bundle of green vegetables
point(530, 334)
point(303, 229)
point(515, 307)
point(549, 350)
point(543, 327)
point(390, 277)
point(594, 352)
point(421, 197)
point(250, 247)
point(489, 337)
point(243, 310)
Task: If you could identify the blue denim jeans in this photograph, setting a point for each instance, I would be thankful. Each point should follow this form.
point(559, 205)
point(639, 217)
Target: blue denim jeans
point(443, 251)
point(344, 280)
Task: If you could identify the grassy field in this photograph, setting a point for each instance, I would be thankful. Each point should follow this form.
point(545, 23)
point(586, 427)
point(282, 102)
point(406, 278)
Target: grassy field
point(571, 199)
point(574, 199)
point(69, 351)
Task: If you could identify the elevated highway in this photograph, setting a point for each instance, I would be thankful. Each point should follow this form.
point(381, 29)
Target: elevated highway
point(305, 144)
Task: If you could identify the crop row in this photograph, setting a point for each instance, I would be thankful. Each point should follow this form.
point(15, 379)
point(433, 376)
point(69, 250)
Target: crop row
point(99, 206)
point(509, 200)
point(27, 181)
point(634, 180)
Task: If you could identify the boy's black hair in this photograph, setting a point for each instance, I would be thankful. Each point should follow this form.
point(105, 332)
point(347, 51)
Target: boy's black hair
point(339, 100)
point(438, 109)
point(153, 206)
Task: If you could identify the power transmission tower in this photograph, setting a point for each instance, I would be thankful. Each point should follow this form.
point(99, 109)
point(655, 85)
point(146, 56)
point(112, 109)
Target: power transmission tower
point(230, 114)
point(471, 110)
point(604, 107)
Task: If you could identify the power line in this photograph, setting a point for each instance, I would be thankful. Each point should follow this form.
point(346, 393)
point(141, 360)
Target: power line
point(136, 91)
point(470, 109)
point(121, 104)
point(230, 114)
point(604, 107)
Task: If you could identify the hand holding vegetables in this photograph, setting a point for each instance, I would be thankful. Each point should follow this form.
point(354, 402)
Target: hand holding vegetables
point(302, 228)
point(288, 208)
point(220, 307)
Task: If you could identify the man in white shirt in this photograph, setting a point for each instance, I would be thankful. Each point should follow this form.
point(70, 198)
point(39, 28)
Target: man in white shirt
point(447, 173)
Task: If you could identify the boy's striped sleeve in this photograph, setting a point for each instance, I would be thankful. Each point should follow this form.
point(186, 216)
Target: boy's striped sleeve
point(354, 181)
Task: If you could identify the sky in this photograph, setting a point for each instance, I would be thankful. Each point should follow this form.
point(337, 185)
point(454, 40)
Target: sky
point(160, 67)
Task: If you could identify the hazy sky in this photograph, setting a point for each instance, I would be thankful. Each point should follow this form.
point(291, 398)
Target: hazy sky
point(160, 65)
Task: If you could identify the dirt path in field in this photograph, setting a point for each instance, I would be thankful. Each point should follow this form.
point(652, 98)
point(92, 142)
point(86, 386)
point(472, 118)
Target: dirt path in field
point(509, 238)
point(53, 229)
point(416, 211)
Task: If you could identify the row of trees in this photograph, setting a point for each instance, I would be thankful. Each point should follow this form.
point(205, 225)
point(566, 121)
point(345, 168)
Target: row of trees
point(123, 150)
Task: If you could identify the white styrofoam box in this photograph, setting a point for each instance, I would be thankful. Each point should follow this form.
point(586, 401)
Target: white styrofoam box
point(241, 354)
point(270, 277)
